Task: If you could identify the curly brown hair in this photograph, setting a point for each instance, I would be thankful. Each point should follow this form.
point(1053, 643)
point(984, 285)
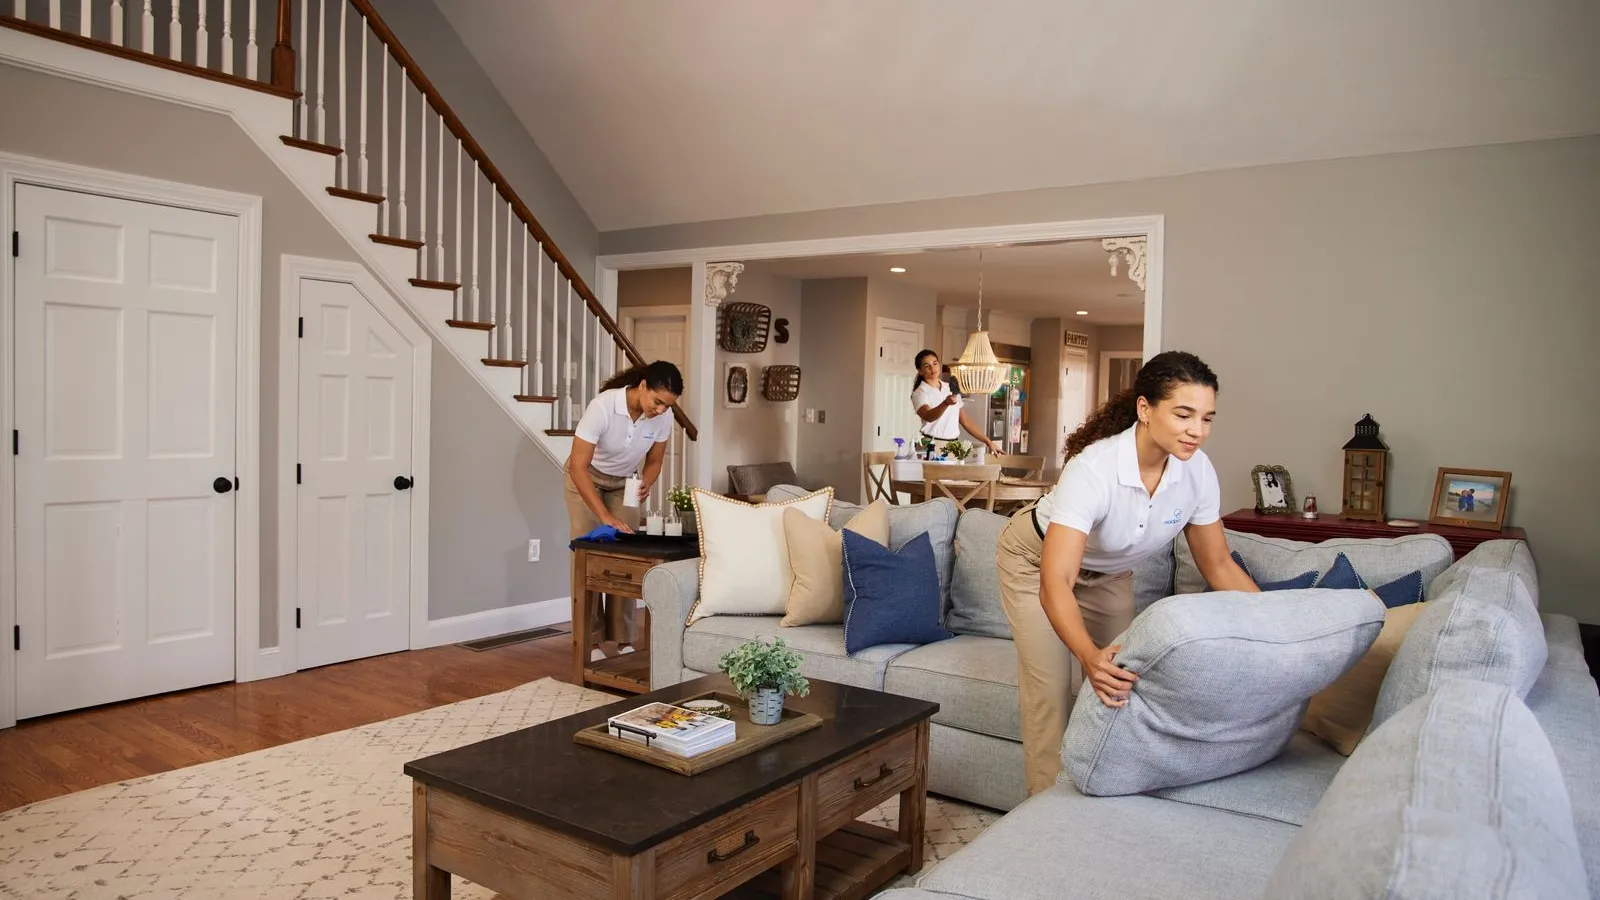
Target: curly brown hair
point(1154, 383)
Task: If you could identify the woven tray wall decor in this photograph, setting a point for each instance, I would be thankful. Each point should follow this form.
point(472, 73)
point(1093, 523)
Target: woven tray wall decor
point(743, 327)
point(779, 383)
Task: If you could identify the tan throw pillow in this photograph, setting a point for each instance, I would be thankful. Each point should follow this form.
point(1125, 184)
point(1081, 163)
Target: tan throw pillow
point(816, 557)
point(744, 559)
point(1341, 712)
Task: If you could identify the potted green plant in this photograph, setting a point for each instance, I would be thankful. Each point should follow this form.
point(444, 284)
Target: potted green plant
point(764, 673)
point(682, 500)
point(958, 450)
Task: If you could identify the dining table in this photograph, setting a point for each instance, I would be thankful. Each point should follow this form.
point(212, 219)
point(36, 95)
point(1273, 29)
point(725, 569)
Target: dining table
point(1009, 492)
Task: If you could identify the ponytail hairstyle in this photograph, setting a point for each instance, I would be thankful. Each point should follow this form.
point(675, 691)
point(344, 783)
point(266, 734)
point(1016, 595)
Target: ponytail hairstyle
point(1155, 383)
point(658, 376)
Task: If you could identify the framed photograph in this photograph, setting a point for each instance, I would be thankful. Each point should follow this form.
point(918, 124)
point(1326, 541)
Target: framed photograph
point(736, 385)
point(1470, 498)
point(1274, 492)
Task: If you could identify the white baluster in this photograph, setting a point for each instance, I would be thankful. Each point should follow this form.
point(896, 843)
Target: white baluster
point(422, 184)
point(384, 208)
point(403, 227)
point(147, 28)
point(344, 99)
point(461, 312)
point(227, 37)
point(19, 8)
point(599, 353)
point(557, 374)
point(522, 352)
point(116, 22)
point(55, 15)
point(538, 323)
point(85, 18)
point(299, 62)
point(494, 244)
point(174, 33)
point(438, 225)
point(566, 375)
point(252, 53)
point(508, 346)
point(322, 68)
point(477, 253)
point(202, 40)
point(362, 35)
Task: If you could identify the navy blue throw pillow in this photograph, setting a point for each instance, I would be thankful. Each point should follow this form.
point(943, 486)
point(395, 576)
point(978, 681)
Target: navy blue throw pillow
point(1402, 591)
point(890, 597)
point(1299, 582)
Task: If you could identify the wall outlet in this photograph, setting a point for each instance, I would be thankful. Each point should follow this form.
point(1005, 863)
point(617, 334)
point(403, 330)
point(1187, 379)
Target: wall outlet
point(822, 417)
point(533, 550)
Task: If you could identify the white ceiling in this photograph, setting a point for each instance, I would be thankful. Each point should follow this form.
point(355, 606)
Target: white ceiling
point(690, 110)
point(1035, 281)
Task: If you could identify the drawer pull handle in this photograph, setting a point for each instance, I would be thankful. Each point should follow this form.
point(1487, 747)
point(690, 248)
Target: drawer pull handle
point(750, 840)
point(625, 576)
point(883, 772)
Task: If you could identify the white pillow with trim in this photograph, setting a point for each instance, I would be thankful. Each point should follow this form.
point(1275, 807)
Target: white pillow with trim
point(744, 555)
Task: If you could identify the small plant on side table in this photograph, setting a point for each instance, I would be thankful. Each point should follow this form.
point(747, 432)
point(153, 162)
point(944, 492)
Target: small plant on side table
point(764, 673)
point(681, 498)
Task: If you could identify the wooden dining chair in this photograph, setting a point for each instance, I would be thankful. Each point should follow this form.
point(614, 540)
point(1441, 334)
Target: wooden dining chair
point(961, 483)
point(877, 467)
point(1023, 466)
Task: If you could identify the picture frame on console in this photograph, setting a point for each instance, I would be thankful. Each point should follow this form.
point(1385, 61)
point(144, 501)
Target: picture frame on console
point(1274, 490)
point(1470, 498)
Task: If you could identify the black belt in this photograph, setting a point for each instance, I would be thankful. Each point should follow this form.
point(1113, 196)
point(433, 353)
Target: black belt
point(1033, 516)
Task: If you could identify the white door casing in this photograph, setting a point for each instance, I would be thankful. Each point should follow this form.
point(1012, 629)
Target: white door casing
point(894, 377)
point(353, 414)
point(166, 276)
point(660, 332)
point(1121, 360)
point(1074, 403)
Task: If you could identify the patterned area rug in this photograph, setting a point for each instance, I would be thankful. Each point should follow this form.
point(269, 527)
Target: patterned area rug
point(328, 817)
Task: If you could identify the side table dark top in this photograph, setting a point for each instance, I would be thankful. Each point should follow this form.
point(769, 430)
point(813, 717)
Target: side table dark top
point(644, 546)
point(540, 775)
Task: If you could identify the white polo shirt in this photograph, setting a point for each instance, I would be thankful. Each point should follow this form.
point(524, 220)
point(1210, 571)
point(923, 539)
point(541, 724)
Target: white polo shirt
point(620, 442)
point(948, 426)
point(1100, 494)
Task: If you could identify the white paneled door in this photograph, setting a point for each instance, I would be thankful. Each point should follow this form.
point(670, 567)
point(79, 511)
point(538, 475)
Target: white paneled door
point(126, 346)
point(356, 384)
point(894, 378)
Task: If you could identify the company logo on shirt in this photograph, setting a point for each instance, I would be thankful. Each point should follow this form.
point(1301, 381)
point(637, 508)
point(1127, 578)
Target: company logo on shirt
point(1175, 518)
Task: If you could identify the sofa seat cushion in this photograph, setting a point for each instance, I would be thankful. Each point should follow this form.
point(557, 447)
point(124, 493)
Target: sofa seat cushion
point(973, 679)
point(1379, 560)
point(707, 640)
point(1457, 795)
point(1060, 843)
point(1286, 789)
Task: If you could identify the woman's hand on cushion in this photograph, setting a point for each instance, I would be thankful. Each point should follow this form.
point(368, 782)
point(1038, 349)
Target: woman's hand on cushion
point(1111, 682)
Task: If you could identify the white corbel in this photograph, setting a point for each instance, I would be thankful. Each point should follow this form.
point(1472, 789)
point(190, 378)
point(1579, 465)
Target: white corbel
point(721, 279)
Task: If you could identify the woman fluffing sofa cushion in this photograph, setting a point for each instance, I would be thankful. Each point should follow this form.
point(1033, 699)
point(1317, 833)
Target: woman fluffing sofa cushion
point(1458, 795)
point(1224, 678)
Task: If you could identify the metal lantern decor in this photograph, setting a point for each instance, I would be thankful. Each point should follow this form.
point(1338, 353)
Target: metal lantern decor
point(978, 371)
point(1366, 471)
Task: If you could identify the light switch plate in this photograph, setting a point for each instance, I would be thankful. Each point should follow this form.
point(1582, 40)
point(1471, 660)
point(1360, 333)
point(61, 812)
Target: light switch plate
point(533, 550)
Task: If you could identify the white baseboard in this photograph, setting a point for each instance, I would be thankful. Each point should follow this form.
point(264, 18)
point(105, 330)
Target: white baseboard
point(491, 622)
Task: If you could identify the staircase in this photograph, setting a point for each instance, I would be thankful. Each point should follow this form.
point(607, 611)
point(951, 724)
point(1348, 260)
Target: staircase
point(350, 117)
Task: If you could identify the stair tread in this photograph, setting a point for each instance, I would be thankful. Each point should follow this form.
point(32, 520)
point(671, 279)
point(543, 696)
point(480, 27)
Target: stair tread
point(438, 285)
point(560, 432)
point(313, 146)
point(392, 241)
point(348, 194)
point(475, 326)
point(533, 398)
point(505, 363)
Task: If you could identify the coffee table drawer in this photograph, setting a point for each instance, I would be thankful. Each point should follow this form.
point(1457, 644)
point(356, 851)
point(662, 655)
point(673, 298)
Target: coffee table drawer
point(731, 849)
point(621, 575)
point(865, 780)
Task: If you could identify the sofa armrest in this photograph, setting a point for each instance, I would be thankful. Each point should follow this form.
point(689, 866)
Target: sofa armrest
point(670, 591)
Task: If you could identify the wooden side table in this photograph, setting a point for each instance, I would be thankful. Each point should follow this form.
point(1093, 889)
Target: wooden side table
point(1329, 525)
point(616, 570)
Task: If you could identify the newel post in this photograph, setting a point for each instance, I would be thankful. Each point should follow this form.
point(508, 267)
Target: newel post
point(283, 50)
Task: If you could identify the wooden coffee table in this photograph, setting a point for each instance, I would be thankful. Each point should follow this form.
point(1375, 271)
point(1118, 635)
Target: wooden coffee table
point(531, 814)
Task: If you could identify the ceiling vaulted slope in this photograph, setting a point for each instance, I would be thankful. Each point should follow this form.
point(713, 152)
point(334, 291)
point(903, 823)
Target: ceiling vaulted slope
point(692, 110)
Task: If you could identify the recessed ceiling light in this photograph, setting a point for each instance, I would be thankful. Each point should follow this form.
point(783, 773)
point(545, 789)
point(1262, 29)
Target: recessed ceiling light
point(1083, 312)
point(897, 269)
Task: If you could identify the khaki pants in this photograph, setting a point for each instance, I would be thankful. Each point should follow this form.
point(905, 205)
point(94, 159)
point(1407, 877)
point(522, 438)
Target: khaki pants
point(612, 619)
point(1048, 675)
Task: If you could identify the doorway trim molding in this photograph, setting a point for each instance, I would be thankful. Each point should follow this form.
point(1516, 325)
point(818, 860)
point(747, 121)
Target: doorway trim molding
point(246, 209)
point(284, 657)
point(1106, 356)
point(702, 328)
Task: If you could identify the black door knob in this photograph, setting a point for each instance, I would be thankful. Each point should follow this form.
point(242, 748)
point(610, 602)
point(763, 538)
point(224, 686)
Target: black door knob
point(222, 485)
point(402, 483)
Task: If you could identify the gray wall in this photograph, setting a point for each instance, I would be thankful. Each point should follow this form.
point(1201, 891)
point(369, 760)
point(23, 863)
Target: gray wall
point(763, 431)
point(1451, 294)
point(833, 370)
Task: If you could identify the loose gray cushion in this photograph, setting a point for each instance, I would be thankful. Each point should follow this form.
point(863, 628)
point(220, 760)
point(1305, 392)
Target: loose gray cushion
point(975, 606)
point(1224, 679)
point(1458, 795)
point(1378, 560)
point(1152, 578)
point(1285, 789)
point(972, 678)
point(1484, 626)
point(1510, 555)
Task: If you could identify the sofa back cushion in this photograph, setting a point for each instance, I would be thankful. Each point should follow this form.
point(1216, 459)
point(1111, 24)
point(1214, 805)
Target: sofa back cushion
point(1458, 795)
point(1513, 556)
point(975, 606)
point(1484, 626)
point(1379, 560)
point(744, 556)
point(1224, 678)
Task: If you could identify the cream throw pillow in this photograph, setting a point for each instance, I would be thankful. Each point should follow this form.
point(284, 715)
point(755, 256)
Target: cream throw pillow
point(816, 557)
point(1341, 712)
point(744, 558)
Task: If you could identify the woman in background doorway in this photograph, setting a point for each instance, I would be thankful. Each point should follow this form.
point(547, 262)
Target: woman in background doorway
point(627, 424)
point(939, 407)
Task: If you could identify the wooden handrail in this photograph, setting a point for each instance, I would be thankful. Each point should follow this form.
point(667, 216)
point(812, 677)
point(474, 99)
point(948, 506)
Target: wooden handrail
point(509, 194)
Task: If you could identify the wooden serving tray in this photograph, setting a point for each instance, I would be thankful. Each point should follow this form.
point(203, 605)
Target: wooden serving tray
point(750, 737)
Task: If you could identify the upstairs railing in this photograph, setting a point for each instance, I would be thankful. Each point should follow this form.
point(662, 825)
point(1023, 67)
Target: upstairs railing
point(363, 100)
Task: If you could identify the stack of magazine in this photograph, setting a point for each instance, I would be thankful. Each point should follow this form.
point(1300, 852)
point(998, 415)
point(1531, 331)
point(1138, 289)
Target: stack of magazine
point(673, 729)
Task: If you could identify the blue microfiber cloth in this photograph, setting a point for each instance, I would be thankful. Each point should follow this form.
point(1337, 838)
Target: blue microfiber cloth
point(605, 534)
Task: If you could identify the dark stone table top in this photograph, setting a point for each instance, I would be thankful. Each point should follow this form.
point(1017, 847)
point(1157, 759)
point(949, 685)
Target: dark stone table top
point(644, 546)
point(540, 775)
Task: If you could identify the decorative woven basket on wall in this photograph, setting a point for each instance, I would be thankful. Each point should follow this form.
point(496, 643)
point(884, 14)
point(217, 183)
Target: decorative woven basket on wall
point(743, 327)
point(779, 383)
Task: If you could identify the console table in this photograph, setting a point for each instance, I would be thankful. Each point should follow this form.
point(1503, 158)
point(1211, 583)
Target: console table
point(617, 569)
point(1328, 525)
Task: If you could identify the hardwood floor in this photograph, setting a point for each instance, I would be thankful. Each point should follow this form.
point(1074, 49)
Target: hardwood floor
point(55, 755)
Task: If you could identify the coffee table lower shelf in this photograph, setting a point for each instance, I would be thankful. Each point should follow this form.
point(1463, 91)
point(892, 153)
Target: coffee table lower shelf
point(628, 672)
point(853, 862)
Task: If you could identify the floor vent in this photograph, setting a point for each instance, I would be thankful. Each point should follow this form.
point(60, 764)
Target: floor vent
point(515, 637)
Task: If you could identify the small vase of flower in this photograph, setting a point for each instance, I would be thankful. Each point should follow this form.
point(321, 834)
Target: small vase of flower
point(958, 450)
point(682, 499)
point(764, 674)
